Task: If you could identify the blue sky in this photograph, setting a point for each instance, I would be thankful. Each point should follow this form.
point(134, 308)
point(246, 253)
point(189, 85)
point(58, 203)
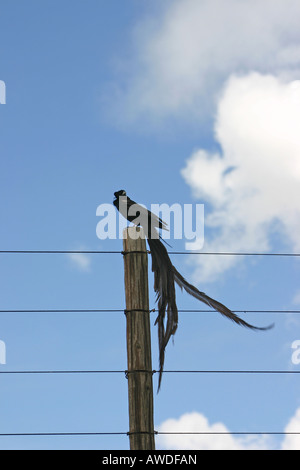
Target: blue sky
point(175, 102)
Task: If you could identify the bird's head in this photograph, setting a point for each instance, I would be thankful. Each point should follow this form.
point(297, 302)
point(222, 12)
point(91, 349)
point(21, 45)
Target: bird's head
point(120, 193)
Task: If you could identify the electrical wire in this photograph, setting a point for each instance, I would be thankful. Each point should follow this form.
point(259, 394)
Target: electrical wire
point(202, 371)
point(155, 432)
point(107, 310)
point(214, 253)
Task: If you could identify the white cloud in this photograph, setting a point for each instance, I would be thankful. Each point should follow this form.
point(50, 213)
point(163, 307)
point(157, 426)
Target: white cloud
point(253, 184)
point(292, 441)
point(197, 422)
point(80, 260)
point(183, 54)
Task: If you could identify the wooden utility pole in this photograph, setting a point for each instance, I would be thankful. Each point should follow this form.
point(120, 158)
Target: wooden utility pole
point(139, 362)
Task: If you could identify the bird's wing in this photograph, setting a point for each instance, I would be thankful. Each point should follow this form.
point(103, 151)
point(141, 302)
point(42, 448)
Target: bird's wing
point(140, 215)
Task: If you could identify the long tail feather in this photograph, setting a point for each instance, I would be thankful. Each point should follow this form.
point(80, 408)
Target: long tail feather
point(192, 290)
point(165, 276)
point(164, 286)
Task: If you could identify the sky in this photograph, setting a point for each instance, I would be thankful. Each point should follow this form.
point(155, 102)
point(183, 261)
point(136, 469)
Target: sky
point(181, 101)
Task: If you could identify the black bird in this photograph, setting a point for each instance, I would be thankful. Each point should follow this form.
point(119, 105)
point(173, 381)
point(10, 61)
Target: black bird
point(165, 275)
